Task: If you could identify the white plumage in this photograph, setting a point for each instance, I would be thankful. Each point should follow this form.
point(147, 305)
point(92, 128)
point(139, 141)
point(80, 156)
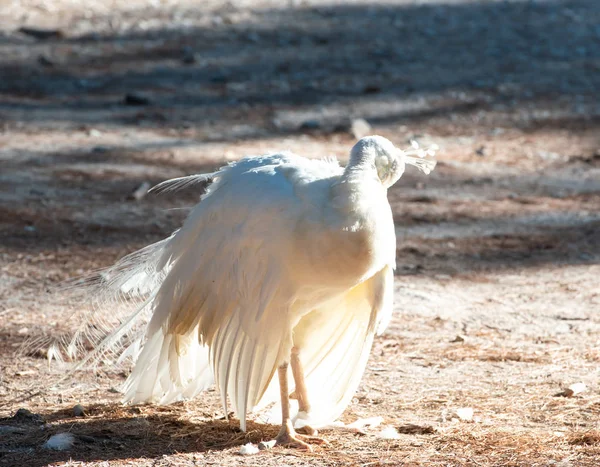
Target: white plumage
point(285, 260)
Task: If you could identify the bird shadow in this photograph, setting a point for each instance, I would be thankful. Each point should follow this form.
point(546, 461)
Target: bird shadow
point(112, 431)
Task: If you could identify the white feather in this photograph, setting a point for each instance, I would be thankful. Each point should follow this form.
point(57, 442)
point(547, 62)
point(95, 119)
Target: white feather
point(180, 183)
point(424, 165)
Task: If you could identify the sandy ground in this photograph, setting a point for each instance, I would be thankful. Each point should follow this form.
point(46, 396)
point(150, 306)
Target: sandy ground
point(497, 290)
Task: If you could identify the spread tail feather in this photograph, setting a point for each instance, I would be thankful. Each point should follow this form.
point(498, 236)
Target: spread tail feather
point(121, 306)
point(170, 367)
point(182, 182)
point(114, 326)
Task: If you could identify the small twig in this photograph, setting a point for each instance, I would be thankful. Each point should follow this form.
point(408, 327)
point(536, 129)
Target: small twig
point(497, 328)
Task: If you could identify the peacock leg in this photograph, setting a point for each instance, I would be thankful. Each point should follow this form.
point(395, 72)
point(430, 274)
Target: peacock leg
point(287, 435)
point(301, 393)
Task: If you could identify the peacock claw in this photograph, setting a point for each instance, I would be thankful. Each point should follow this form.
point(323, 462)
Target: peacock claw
point(288, 437)
point(292, 441)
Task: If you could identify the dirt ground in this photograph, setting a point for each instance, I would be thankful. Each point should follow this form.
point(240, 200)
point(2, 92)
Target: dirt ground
point(497, 287)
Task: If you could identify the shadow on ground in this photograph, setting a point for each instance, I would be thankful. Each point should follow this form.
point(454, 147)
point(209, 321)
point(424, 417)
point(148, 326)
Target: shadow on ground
point(114, 431)
point(385, 63)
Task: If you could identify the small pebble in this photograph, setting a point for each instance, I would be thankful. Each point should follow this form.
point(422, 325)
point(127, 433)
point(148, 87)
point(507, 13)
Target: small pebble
point(360, 128)
point(45, 61)
point(577, 388)
point(25, 416)
point(310, 124)
point(60, 442)
point(100, 149)
point(464, 413)
point(389, 432)
point(188, 55)
point(248, 449)
point(572, 390)
point(264, 445)
point(132, 98)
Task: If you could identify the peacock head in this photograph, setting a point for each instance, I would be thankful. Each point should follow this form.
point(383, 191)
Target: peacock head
point(389, 162)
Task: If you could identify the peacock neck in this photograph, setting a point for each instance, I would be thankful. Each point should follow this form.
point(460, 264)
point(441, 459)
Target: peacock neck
point(359, 171)
point(357, 190)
